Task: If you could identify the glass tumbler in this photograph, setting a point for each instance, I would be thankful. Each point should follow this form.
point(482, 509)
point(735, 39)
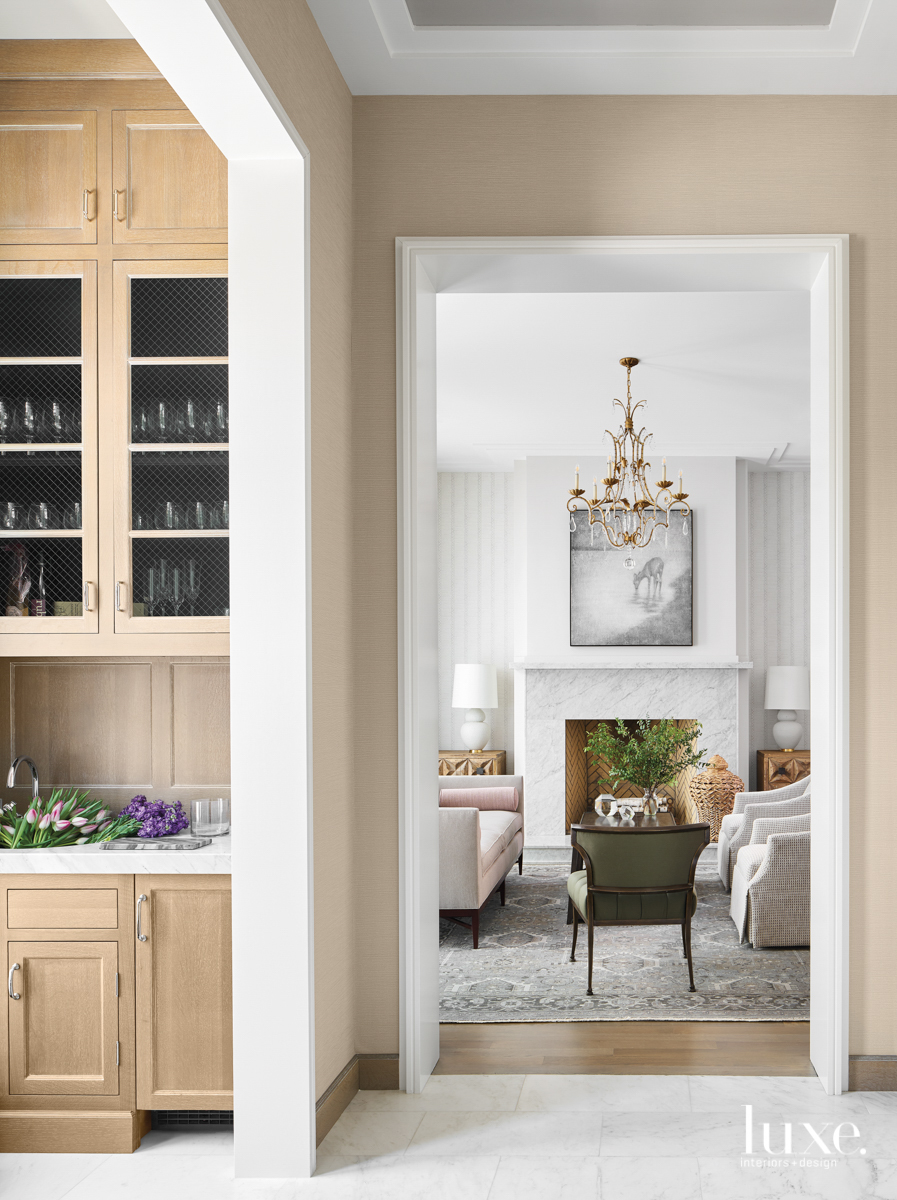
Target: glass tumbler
point(209, 818)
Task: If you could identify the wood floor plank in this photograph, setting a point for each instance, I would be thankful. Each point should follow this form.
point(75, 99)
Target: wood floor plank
point(627, 1048)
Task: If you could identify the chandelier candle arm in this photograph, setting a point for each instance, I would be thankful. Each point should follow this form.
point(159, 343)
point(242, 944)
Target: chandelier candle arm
point(630, 521)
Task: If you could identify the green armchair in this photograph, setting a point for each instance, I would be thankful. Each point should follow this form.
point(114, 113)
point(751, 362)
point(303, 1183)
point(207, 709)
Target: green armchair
point(636, 876)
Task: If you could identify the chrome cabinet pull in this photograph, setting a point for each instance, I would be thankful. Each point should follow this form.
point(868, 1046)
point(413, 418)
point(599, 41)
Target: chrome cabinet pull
point(87, 597)
point(119, 214)
point(141, 937)
point(121, 594)
point(13, 995)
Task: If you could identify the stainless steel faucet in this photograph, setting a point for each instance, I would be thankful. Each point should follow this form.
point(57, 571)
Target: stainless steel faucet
point(32, 767)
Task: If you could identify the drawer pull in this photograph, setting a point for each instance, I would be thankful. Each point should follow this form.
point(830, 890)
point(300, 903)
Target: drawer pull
point(141, 937)
point(13, 995)
point(118, 208)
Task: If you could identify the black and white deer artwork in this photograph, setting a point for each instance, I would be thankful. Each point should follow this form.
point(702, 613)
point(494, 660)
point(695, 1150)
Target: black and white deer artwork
point(653, 572)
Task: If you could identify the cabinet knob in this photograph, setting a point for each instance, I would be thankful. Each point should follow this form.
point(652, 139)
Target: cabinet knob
point(13, 995)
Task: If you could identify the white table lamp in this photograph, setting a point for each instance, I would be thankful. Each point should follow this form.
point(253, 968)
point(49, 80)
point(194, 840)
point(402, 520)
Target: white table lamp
point(476, 688)
point(787, 689)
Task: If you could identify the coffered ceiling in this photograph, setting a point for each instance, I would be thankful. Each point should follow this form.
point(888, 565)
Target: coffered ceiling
point(621, 47)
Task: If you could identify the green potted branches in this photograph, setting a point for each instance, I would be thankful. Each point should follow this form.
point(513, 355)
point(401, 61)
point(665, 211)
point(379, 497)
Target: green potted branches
point(648, 758)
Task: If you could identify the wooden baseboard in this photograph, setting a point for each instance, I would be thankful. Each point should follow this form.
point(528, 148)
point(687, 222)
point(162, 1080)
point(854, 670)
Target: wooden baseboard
point(378, 1072)
point(336, 1099)
point(364, 1072)
point(31, 1131)
point(872, 1073)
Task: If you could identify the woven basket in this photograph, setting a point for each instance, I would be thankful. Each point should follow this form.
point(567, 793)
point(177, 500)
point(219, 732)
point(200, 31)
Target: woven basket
point(714, 792)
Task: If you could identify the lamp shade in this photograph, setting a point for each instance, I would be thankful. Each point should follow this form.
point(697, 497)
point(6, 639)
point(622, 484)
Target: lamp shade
point(476, 686)
point(787, 687)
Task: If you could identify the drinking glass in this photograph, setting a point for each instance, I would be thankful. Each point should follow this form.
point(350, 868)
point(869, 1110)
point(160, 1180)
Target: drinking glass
point(164, 421)
point(200, 515)
point(142, 520)
point(42, 516)
point(57, 425)
point(209, 818)
point(164, 581)
point(151, 590)
point(178, 588)
point(11, 515)
point(192, 422)
point(141, 425)
point(193, 582)
point(7, 420)
point(31, 421)
point(71, 518)
point(221, 518)
point(170, 515)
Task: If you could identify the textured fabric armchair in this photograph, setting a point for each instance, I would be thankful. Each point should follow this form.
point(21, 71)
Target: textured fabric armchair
point(636, 876)
point(771, 885)
point(477, 849)
point(731, 824)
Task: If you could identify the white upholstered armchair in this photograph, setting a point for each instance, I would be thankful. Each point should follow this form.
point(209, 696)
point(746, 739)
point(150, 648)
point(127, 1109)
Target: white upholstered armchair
point(771, 884)
point(731, 834)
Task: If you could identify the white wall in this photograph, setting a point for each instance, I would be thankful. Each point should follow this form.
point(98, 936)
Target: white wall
point(475, 576)
point(779, 590)
point(710, 483)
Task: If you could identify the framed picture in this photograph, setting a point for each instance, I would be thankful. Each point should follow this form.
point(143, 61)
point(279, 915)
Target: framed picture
point(649, 604)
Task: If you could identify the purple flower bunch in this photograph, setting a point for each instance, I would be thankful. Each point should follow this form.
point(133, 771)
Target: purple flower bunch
point(157, 819)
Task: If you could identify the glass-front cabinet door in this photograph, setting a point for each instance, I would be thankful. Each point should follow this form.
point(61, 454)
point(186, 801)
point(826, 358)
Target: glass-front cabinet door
point(48, 439)
point(172, 513)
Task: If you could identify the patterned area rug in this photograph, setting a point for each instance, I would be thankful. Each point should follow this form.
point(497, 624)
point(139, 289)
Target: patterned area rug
point(521, 971)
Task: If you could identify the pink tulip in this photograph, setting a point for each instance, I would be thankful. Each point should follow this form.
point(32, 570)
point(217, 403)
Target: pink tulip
point(55, 811)
point(79, 821)
point(105, 825)
point(101, 815)
point(31, 816)
point(44, 821)
point(80, 841)
point(8, 829)
point(60, 825)
point(88, 829)
point(77, 811)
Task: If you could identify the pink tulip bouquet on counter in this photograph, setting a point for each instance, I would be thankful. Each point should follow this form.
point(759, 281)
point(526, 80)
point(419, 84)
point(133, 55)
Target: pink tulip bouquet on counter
point(66, 818)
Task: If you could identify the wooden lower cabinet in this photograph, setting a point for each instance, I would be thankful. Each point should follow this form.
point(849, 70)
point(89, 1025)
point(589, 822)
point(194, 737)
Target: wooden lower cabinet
point(101, 1027)
point(184, 994)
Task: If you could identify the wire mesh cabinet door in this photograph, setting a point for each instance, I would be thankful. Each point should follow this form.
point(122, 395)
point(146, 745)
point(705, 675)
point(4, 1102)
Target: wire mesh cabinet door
point(48, 448)
point(172, 511)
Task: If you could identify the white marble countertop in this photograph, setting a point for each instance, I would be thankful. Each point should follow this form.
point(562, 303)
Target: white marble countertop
point(653, 664)
point(213, 859)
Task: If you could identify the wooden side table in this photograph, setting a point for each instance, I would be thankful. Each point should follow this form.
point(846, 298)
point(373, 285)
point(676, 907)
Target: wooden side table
point(472, 762)
point(778, 768)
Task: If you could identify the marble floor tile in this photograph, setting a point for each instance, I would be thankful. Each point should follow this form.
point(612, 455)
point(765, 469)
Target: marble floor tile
point(878, 1134)
point(393, 1178)
point(188, 1141)
point(671, 1135)
point(448, 1093)
point(604, 1093)
point(370, 1133)
point(44, 1176)
point(546, 1179)
point(157, 1176)
point(729, 1093)
point(849, 1179)
point(542, 1135)
point(879, 1102)
point(650, 1179)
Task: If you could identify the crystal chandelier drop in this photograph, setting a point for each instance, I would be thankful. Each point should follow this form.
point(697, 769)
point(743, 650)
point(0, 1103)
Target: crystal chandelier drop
point(630, 512)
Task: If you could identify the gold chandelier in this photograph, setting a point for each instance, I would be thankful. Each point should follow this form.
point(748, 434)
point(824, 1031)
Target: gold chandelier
point(629, 512)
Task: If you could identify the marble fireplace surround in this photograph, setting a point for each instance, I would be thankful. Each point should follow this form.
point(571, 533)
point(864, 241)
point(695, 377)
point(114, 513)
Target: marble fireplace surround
point(551, 694)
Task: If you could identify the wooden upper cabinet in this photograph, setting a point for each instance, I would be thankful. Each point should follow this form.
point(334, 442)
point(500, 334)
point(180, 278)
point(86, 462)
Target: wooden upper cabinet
point(48, 178)
point(169, 179)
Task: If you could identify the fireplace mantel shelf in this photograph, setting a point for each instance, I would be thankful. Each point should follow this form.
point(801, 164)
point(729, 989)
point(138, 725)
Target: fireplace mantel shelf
point(578, 664)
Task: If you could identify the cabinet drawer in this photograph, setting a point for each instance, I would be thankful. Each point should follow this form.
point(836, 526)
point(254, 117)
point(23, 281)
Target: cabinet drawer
point(63, 908)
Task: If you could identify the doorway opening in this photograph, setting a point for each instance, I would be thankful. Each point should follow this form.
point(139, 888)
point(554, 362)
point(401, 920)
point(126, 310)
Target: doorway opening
point(549, 680)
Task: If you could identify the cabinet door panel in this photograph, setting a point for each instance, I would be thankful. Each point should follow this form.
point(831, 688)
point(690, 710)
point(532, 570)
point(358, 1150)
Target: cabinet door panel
point(63, 1030)
point(184, 994)
point(49, 177)
point(169, 178)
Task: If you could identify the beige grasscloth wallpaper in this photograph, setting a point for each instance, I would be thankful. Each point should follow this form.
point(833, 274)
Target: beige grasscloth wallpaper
point(551, 165)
